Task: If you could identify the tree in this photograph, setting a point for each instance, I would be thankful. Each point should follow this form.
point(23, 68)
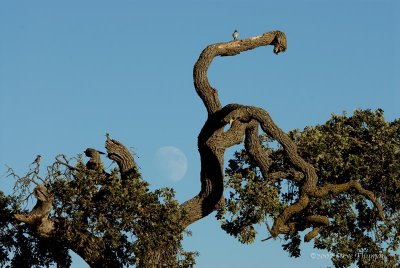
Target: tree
point(323, 178)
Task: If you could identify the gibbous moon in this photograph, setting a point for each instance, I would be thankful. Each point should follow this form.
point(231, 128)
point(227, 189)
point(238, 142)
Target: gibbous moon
point(171, 163)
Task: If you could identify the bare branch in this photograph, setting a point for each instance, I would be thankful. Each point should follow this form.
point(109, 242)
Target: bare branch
point(255, 150)
point(120, 154)
point(312, 234)
point(206, 92)
point(66, 165)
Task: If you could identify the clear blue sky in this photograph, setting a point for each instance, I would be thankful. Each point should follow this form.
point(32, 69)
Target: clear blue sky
point(70, 71)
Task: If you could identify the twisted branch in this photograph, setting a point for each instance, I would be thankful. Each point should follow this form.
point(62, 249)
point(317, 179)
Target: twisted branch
point(206, 92)
point(244, 121)
point(212, 140)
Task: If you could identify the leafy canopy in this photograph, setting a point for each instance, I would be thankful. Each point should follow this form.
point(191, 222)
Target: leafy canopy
point(98, 212)
point(362, 147)
point(92, 208)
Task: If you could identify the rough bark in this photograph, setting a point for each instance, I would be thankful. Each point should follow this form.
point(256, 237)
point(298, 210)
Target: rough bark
point(38, 218)
point(124, 159)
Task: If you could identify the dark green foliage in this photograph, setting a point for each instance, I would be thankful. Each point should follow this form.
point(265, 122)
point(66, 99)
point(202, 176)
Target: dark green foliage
point(362, 147)
point(114, 221)
point(19, 247)
point(250, 199)
point(99, 215)
point(293, 246)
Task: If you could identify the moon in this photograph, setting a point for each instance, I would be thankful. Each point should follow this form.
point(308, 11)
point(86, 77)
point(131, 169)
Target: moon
point(171, 163)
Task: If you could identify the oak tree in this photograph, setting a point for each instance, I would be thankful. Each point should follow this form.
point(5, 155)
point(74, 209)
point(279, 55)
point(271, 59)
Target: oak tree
point(336, 184)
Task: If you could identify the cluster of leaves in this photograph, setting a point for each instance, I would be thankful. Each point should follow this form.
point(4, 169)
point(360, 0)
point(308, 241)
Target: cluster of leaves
point(250, 199)
point(363, 147)
point(94, 210)
point(19, 247)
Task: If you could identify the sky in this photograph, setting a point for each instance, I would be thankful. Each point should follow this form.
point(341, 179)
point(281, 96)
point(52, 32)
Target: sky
point(71, 71)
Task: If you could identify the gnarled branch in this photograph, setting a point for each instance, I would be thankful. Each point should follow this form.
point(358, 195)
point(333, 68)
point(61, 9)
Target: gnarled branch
point(38, 218)
point(125, 161)
point(206, 92)
point(244, 121)
point(212, 140)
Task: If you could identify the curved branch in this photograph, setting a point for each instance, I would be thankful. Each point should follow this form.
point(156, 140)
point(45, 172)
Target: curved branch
point(212, 141)
point(206, 92)
point(125, 161)
point(335, 189)
point(211, 148)
point(312, 234)
point(248, 113)
point(212, 144)
point(254, 149)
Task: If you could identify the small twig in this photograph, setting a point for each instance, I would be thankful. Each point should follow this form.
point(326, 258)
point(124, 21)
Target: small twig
point(269, 230)
point(265, 239)
point(68, 166)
